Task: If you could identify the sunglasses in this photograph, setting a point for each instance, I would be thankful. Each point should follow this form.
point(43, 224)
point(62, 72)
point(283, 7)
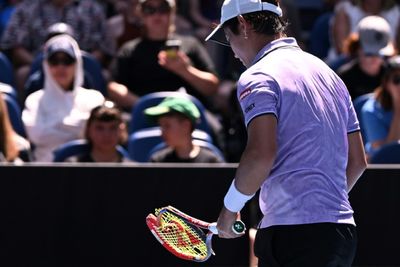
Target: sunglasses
point(151, 10)
point(65, 61)
point(395, 79)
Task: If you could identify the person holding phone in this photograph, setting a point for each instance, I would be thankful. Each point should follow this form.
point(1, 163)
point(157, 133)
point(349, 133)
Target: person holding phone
point(304, 148)
point(161, 60)
point(381, 113)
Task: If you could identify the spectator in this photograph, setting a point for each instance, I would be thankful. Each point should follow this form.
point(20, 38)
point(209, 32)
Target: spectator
point(369, 46)
point(57, 113)
point(105, 131)
point(177, 117)
point(93, 75)
point(27, 30)
point(13, 147)
point(126, 24)
point(381, 114)
point(143, 65)
point(349, 13)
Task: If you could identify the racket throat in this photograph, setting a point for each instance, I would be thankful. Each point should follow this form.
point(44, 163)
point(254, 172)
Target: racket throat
point(209, 243)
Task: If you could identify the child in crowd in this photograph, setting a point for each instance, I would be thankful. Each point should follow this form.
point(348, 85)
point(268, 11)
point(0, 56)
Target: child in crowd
point(177, 117)
point(105, 131)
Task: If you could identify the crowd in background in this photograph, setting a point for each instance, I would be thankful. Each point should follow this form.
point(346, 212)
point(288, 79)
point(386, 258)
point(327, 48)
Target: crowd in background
point(80, 68)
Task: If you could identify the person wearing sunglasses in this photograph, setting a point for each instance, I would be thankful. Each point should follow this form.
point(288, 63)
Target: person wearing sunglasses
point(58, 112)
point(144, 65)
point(381, 113)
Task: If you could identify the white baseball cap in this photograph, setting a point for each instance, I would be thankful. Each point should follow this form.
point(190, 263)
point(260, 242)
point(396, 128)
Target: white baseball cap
point(234, 8)
point(375, 36)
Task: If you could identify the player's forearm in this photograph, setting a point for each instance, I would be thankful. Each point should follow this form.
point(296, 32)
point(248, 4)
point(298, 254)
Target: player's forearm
point(255, 165)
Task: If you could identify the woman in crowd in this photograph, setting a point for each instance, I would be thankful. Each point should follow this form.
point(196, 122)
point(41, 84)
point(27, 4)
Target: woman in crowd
point(381, 114)
point(58, 112)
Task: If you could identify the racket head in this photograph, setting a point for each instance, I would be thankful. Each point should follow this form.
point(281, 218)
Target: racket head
point(180, 237)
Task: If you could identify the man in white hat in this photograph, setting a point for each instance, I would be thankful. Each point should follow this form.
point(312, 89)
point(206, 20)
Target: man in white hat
point(304, 147)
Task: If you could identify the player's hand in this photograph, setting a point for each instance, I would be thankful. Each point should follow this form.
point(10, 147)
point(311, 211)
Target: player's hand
point(224, 224)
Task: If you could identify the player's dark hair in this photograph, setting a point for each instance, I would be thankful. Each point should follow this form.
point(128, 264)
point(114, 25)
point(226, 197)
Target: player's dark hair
point(264, 22)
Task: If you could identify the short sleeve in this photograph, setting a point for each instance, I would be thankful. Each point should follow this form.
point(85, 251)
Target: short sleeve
point(353, 124)
point(258, 94)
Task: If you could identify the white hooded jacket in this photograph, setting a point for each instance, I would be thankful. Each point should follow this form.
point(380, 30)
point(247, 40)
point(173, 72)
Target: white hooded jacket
point(53, 116)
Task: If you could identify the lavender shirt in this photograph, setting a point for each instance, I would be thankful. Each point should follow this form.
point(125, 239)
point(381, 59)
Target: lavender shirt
point(307, 183)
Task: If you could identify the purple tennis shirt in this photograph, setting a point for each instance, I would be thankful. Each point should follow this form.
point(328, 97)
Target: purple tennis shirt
point(307, 183)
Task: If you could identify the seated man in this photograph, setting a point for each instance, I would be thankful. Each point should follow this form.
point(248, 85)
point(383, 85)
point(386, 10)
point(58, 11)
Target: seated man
point(177, 117)
point(146, 64)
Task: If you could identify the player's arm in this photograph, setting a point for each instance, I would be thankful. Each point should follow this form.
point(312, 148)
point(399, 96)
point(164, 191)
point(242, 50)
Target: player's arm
point(357, 162)
point(255, 165)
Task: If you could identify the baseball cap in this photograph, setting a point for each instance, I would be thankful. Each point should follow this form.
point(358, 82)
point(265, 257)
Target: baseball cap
point(170, 2)
point(175, 104)
point(375, 37)
point(59, 28)
point(60, 46)
point(233, 8)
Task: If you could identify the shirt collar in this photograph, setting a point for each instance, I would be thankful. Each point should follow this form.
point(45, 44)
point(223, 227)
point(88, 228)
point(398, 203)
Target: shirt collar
point(276, 44)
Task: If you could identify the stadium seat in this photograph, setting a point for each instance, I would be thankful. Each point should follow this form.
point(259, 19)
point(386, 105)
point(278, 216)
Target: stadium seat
point(358, 103)
point(141, 142)
point(14, 112)
point(93, 71)
point(140, 121)
point(387, 154)
point(6, 70)
point(77, 147)
point(200, 143)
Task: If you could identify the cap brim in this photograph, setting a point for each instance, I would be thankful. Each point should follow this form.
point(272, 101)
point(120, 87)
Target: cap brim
point(388, 51)
point(218, 36)
point(157, 111)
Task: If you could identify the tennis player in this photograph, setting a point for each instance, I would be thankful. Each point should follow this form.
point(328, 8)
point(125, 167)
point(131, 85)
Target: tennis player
point(304, 145)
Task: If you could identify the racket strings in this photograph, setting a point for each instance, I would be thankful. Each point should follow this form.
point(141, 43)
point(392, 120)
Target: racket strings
point(182, 236)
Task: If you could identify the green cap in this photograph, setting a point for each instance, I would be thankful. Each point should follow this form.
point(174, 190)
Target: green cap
point(175, 104)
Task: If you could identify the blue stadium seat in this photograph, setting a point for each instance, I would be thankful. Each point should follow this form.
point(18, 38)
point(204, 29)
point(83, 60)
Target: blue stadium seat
point(77, 147)
point(358, 103)
point(14, 112)
point(140, 121)
point(93, 71)
point(387, 154)
point(6, 70)
point(200, 143)
point(141, 142)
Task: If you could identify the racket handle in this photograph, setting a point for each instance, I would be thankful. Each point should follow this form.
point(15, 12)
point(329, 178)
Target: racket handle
point(238, 227)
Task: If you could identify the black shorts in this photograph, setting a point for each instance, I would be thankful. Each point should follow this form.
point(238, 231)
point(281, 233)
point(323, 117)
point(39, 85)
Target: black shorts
point(306, 245)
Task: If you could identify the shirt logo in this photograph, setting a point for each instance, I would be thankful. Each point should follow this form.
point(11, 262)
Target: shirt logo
point(244, 94)
point(250, 108)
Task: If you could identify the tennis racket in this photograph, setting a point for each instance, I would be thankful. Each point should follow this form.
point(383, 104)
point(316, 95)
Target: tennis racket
point(181, 234)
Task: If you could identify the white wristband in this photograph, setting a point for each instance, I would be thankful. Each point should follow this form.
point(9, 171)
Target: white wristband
point(234, 201)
